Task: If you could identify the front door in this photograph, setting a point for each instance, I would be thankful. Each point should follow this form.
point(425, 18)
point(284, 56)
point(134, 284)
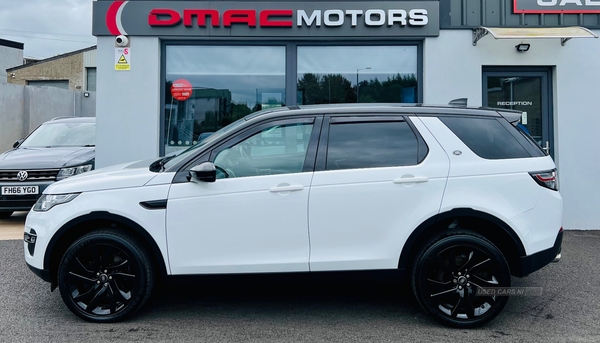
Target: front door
point(527, 90)
point(254, 218)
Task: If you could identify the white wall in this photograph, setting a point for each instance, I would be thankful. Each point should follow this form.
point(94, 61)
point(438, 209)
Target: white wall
point(9, 57)
point(128, 102)
point(453, 69)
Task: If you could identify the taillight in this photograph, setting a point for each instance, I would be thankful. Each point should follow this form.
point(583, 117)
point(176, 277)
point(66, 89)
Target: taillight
point(546, 179)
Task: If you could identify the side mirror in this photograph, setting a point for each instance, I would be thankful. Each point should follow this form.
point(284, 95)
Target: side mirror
point(204, 172)
point(18, 142)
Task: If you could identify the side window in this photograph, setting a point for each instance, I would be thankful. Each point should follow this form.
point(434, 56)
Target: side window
point(486, 137)
point(278, 149)
point(371, 145)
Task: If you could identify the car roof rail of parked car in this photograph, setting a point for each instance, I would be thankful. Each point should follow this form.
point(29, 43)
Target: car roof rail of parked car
point(63, 117)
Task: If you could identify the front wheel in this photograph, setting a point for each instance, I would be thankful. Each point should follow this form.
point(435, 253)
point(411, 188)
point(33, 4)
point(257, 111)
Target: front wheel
point(105, 276)
point(449, 272)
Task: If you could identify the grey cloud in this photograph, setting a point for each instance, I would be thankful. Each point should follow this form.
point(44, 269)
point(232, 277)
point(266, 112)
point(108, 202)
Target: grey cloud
point(68, 20)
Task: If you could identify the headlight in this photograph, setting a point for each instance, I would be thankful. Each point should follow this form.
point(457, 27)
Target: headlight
point(47, 201)
point(66, 172)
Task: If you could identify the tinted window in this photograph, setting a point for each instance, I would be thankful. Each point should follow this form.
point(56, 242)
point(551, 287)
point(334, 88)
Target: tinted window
point(487, 137)
point(371, 145)
point(275, 150)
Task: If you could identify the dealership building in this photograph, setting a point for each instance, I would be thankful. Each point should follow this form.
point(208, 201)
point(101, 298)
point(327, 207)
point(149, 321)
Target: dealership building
point(170, 72)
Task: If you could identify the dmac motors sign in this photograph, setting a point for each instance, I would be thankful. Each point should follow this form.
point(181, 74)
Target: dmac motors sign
point(267, 19)
point(557, 6)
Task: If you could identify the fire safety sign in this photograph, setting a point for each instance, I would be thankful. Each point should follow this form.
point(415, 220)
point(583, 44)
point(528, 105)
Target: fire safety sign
point(122, 58)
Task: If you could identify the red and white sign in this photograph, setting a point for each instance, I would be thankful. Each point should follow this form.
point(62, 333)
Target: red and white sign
point(284, 18)
point(181, 89)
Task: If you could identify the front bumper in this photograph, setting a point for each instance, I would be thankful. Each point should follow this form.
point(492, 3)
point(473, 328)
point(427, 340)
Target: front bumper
point(531, 263)
point(42, 274)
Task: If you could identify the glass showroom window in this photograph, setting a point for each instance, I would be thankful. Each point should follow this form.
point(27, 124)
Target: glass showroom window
point(345, 74)
point(224, 84)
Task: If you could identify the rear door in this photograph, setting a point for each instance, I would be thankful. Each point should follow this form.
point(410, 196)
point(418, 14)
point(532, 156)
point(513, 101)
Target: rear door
point(376, 180)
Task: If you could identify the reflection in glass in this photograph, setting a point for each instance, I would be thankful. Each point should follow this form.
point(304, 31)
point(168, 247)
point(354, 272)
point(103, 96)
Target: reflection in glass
point(228, 82)
point(371, 145)
point(276, 150)
point(519, 93)
point(346, 74)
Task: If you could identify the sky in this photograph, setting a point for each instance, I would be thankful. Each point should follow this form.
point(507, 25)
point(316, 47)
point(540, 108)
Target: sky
point(47, 27)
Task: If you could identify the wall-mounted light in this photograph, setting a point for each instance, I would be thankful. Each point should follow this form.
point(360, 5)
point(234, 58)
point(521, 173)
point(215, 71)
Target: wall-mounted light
point(522, 47)
point(86, 94)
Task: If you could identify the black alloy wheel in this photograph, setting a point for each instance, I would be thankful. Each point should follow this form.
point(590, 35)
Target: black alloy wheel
point(105, 276)
point(449, 272)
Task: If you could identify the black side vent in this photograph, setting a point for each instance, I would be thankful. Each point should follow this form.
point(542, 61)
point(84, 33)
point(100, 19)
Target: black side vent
point(154, 204)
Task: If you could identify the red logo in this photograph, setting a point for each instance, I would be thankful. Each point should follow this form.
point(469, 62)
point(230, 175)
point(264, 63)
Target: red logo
point(113, 18)
point(265, 18)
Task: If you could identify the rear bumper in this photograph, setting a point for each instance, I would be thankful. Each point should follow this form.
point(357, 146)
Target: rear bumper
point(531, 263)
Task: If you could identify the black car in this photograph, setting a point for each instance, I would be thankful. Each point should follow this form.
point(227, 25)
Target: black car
point(57, 149)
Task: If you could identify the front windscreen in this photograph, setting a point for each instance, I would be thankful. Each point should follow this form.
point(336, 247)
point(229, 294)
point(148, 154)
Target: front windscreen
point(62, 135)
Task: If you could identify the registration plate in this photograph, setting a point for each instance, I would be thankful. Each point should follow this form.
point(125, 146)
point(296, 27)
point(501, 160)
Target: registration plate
point(20, 190)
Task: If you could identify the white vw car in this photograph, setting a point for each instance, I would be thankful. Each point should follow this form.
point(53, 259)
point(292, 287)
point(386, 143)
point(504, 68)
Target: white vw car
point(458, 199)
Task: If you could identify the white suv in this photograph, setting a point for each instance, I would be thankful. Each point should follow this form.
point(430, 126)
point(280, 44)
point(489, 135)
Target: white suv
point(456, 198)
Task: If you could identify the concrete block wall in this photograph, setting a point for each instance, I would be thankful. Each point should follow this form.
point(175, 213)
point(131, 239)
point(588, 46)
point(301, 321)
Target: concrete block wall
point(23, 108)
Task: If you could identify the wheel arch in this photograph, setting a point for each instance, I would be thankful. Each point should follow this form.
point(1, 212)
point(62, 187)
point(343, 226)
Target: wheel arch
point(504, 237)
point(80, 226)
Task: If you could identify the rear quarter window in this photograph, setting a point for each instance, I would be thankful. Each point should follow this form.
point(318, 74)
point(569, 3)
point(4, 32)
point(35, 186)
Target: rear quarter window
point(489, 138)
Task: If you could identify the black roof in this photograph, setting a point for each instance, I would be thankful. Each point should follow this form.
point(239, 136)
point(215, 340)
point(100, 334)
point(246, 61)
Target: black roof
point(11, 44)
point(52, 58)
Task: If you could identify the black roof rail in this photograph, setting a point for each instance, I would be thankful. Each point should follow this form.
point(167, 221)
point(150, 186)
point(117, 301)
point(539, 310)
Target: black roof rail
point(458, 102)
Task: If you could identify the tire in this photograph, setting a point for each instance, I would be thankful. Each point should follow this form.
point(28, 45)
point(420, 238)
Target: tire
point(105, 276)
point(4, 215)
point(449, 270)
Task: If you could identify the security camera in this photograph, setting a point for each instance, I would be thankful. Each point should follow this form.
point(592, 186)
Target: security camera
point(121, 40)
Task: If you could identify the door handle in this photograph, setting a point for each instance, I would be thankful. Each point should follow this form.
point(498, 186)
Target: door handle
point(416, 179)
point(286, 188)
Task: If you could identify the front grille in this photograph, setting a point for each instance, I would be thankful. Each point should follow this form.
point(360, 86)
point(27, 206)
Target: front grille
point(20, 203)
point(32, 175)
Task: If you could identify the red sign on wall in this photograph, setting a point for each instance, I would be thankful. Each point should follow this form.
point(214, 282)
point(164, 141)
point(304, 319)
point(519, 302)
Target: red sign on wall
point(181, 89)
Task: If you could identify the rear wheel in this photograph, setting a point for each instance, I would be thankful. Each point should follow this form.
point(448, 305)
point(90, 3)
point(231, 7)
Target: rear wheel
point(105, 276)
point(450, 270)
point(5, 214)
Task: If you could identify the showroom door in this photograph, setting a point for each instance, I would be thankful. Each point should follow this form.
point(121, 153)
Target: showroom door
point(524, 89)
